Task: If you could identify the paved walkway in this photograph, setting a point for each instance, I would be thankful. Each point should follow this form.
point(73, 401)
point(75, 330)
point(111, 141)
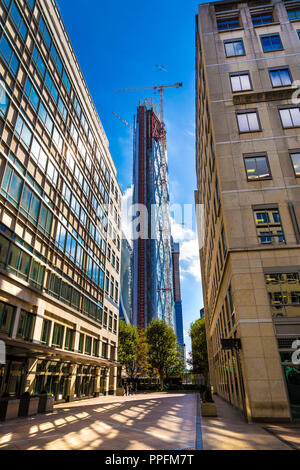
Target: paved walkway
point(155, 421)
point(229, 431)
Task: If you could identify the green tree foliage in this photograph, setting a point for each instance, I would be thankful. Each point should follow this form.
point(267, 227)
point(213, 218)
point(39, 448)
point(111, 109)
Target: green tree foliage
point(142, 363)
point(199, 358)
point(175, 366)
point(162, 347)
point(128, 347)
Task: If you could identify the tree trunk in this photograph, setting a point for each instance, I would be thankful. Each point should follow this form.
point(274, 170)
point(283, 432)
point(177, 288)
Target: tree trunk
point(161, 380)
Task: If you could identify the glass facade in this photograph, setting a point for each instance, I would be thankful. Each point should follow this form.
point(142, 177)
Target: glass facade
point(57, 180)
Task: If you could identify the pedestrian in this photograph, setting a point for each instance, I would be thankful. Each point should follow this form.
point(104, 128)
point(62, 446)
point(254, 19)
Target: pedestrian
point(124, 389)
point(130, 388)
point(135, 388)
point(127, 389)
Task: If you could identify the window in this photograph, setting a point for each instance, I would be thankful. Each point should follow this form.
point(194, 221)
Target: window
point(22, 130)
point(52, 173)
point(224, 245)
point(240, 81)
point(290, 117)
point(257, 167)
point(31, 94)
point(294, 14)
point(265, 18)
point(58, 334)
point(66, 82)
point(40, 64)
point(7, 315)
point(45, 33)
point(104, 350)
point(268, 226)
point(77, 106)
point(12, 185)
point(45, 118)
point(95, 347)
point(295, 157)
point(81, 343)
point(51, 87)
point(56, 59)
point(62, 109)
point(280, 77)
point(57, 139)
point(271, 42)
point(69, 339)
point(284, 293)
point(25, 326)
point(46, 332)
point(30, 205)
point(18, 21)
point(229, 23)
point(9, 56)
point(4, 101)
point(39, 154)
point(248, 121)
point(234, 48)
point(37, 273)
point(88, 345)
point(18, 262)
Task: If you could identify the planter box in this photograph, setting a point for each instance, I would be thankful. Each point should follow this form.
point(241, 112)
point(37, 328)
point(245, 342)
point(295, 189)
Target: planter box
point(46, 404)
point(209, 409)
point(28, 407)
point(9, 409)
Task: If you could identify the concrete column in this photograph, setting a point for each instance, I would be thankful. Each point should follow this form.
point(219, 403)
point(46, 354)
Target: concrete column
point(30, 375)
point(71, 383)
point(97, 382)
point(39, 310)
point(16, 323)
point(51, 333)
point(113, 380)
point(76, 341)
point(106, 386)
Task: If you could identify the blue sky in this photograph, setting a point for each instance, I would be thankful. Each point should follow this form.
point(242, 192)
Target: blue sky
point(118, 45)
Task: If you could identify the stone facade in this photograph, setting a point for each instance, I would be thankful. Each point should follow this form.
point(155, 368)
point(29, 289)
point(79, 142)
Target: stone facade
point(248, 180)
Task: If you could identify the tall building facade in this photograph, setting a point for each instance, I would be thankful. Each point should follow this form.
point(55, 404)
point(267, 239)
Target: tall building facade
point(126, 281)
point(248, 164)
point(152, 257)
point(59, 244)
point(177, 295)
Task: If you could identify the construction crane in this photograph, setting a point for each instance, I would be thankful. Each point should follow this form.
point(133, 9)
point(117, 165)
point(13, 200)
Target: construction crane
point(123, 120)
point(160, 89)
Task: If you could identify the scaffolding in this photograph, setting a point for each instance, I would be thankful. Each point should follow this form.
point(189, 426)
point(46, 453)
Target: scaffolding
point(153, 275)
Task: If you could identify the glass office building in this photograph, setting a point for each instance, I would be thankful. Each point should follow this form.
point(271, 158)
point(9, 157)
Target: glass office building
point(59, 215)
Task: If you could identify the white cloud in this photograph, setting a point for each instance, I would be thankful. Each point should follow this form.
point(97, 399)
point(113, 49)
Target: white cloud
point(189, 251)
point(126, 220)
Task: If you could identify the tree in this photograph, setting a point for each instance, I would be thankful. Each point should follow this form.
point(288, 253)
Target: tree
point(128, 347)
point(176, 362)
point(199, 358)
point(142, 363)
point(162, 346)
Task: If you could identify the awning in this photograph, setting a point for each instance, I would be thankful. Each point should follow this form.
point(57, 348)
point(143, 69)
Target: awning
point(19, 348)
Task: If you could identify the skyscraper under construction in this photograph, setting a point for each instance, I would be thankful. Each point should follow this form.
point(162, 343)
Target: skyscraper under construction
point(152, 256)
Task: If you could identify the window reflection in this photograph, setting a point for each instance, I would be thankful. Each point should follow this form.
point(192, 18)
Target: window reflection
point(284, 293)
